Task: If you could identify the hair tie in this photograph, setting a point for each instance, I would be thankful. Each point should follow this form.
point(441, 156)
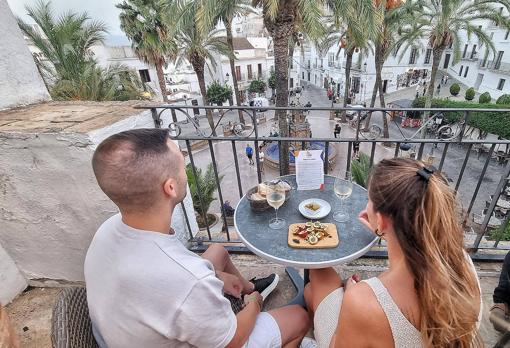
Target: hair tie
point(425, 172)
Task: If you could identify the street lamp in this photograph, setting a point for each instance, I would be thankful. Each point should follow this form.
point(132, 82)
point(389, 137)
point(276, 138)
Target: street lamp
point(364, 81)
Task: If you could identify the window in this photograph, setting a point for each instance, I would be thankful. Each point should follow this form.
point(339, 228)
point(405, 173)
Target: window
point(460, 72)
point(473, 52)
point(465, 51)
point(238, 73)
point(501, 83)
point(250, 74)
point(144, 75)
point(291, 62)
point(466, 71)
point(506, 35)
point(259, 68)
point(427, 55)
point(303, 75)
point(497, 63)
point(321, 63)
point(308, 63)
point(291, 82)
point(396, 50)
point(450, 45)
point(308, 76)
point(412, 58)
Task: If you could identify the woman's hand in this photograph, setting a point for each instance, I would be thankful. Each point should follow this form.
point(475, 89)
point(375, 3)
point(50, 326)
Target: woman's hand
point(363, 218)
point(355, 278)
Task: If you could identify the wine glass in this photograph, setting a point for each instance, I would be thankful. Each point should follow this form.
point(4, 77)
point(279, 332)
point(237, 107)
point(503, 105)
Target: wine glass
point(343, 189)
point(275, 197)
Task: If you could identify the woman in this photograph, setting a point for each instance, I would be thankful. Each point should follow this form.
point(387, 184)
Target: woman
point(429, 296)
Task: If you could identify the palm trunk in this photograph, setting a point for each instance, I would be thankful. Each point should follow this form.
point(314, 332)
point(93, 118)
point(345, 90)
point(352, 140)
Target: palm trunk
point(386, 133)
point(281, 57)
point(348, 65)
point(161, 80)
point(230, 43)
point(377, 61)
point(436, 58)
point(199, 71)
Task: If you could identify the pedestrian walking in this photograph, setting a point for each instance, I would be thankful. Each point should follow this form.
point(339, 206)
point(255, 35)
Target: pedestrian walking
point(438, 89)
point(338, 129)
point(417, 90)
point(442, 79)
point(249, 153)
point(261, 158)
point(446, 79)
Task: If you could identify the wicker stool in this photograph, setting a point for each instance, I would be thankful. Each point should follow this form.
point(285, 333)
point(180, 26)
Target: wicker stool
point(71, 326)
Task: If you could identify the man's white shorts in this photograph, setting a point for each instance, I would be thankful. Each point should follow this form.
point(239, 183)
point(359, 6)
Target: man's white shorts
point(265, 334)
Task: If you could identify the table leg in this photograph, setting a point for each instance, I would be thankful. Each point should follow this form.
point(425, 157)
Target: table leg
point(299, 284)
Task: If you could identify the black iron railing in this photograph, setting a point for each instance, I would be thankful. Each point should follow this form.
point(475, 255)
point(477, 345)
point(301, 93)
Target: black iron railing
point(487, 175)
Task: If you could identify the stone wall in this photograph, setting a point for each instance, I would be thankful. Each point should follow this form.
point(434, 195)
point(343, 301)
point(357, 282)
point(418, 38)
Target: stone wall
point(51, 205)
point(11, 280)
point(20, 82)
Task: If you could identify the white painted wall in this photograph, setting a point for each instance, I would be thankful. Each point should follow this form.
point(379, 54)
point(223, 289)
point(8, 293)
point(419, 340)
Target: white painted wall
point(11, 280)
point(20, 82)
point(51, 205)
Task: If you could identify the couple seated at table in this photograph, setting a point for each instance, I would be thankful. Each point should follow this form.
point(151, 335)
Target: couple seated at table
point(144, 287)
point(429, 296)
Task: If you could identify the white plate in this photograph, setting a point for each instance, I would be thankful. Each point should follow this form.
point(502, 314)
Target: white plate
point(324, 210)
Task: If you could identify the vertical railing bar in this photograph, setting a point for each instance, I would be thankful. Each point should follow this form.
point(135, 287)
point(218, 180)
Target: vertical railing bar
point(397, 147)
point(482, 175)
point(443, 156)
point(503, 227)
point(468, 153)
point(187, 220)
point(236, 163)
point(358, 125)
point(303, 145)
point(326, 158)
point(257, 160)
point(420, 151)
point(502, 183)
point(199, 190)
point(349, 149)
point(463, 127)
point(280, 162)
point(372, 154)
point(220, 195)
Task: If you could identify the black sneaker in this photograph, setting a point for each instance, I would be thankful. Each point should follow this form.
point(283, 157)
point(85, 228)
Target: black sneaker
point(265, 285)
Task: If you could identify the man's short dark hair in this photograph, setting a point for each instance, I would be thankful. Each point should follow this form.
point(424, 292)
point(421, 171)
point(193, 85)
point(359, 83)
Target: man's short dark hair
point(131, 166)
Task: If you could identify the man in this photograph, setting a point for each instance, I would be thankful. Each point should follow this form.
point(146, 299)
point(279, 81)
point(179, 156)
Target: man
point(261, 158)
point(499, 313)
point(249, 153)
point(338, 129)
point(144, 288)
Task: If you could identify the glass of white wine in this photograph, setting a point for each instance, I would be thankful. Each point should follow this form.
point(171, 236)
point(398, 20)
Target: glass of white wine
point(343, 189)
point(275, 197)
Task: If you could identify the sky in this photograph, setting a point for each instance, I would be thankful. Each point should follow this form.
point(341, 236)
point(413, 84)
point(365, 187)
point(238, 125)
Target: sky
point(104, 10)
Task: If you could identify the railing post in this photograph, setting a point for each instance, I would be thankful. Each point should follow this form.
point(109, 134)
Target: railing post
point(463, 126)
point(156, 118)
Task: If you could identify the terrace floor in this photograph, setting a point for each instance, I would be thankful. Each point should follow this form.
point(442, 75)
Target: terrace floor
point(31, 312)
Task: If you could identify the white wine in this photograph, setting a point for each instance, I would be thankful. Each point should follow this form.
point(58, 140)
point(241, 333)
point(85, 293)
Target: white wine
point(343, 191)
point(275, 199)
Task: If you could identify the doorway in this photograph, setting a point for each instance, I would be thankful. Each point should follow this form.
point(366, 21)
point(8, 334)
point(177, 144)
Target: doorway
point(478, 82)
point(384, 86)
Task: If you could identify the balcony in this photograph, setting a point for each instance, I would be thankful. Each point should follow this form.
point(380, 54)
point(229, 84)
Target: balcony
point(53, 232)
point(470, 57)
point(492, 65)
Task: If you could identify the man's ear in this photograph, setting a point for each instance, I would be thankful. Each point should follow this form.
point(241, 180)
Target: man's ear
point(169, 187)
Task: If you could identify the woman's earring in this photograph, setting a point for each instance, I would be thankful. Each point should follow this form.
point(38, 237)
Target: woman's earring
point(377, 233)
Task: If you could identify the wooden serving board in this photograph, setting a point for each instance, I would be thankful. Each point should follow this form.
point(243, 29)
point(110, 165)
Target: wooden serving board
point(324, 243)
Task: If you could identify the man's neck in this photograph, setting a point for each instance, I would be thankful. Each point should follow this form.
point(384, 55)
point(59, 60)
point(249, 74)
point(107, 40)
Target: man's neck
point(157, 220)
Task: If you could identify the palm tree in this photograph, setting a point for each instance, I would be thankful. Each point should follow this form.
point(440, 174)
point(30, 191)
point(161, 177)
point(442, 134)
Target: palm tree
point(394, 16)
point(196, 46)
point(281, 18)
point(67, 64)
point(359, 21)
point(66, 42)
point(141, 21)
point(209, 14)
point(441, 22)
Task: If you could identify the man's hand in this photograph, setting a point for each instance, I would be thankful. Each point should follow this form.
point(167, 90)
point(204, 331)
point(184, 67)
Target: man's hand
point(232, 285)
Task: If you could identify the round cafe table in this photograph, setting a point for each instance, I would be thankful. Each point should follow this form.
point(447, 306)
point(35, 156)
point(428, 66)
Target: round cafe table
point(355, 239)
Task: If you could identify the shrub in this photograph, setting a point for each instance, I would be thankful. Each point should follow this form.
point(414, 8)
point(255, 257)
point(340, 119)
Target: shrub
point(504, 99)
point(491, 122)
point(454, 89)
point(470, 94)
point(272, 80)
point(257, 86)
point(485, 98)
point(218, 94)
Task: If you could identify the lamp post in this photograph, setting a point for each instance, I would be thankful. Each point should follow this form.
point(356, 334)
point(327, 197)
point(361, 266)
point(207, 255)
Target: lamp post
point(227, 78)
point(364, 81)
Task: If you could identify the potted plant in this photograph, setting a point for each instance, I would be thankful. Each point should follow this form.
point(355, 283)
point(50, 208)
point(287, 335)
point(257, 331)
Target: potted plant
point(454, 89)
point(218, 94)
point(257, 86)
point(504, 99)
point(360, 169)
point(470, 94)
point(485, 98)
point(206, 183)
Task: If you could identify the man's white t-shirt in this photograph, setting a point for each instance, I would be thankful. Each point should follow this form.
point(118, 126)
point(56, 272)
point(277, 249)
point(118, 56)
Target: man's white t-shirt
point(145, 289)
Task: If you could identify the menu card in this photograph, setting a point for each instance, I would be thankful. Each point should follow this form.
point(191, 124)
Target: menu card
point(309, 170)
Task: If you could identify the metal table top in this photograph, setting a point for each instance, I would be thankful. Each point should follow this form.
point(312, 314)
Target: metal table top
point(355, 239)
